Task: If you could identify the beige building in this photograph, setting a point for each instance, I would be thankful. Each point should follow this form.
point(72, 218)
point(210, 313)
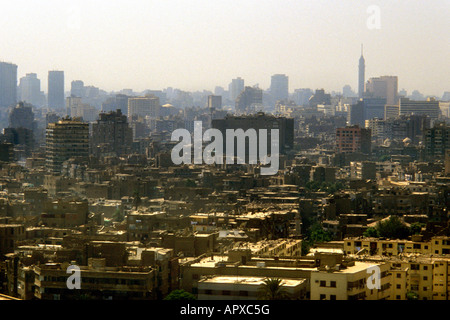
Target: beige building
point(350, 283)
point(97, 282)
point(143, 107)
point(384, 87)
point(375, 246)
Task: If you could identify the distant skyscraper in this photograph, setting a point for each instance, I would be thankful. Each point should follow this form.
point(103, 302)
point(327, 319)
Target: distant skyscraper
point(8, 84)
point(437, 140)
point(66, 139)
point(347, 91)
point(111, 134)
point(361, 74)
point(143, 107)
point(355, 114)
point(235, 88)
point(259, 121)
point(383, 87)
point(430, 107)
point(214, 102)
point(250, 96)
point(56, 90)
point(30, 89)
point(279, 87)
point(118, 102)
point(302, 96)
point(77, 88)
point(22, 116)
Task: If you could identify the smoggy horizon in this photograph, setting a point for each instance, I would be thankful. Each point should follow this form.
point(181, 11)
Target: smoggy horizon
point(198, 45)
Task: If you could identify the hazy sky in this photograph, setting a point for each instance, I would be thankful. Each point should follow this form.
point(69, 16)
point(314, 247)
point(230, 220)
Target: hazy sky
point(200, 44)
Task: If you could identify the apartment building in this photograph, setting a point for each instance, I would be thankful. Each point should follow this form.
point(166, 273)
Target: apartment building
point(351, 282)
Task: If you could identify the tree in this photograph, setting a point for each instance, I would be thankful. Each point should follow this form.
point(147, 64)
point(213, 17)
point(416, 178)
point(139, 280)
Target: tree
point(318, 234)
point(393, 228)
point(412, 296)
point(180, 295)
point(415, 228)
point(371, 232)
point(272, 289)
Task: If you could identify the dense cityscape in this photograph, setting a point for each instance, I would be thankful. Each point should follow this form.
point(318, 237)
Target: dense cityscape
point(93, 205)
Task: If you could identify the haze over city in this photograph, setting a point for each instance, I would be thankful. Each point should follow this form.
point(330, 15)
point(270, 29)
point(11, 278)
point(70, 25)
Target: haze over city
point(196, 45)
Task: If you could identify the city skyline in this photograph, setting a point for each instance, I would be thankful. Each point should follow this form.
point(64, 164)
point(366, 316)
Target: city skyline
point(199, 45)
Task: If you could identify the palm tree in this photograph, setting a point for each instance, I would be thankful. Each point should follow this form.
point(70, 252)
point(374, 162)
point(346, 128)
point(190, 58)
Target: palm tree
point(272, 289)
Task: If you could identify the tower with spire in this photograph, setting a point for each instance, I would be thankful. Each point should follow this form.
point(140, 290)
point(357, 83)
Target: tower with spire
point(361, 74)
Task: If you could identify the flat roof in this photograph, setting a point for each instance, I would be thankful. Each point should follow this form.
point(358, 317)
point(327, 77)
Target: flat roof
point(255, 281)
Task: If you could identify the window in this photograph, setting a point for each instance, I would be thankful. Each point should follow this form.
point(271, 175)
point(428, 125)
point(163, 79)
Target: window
point(323, 297)
point(414, 266)
point(399, 275)
point(425, 267)
point(333, 284)
point(333, 297)
point(226, 292)
point(399, 286)
point(425, 278)
point(323, 283)
point(397, 297)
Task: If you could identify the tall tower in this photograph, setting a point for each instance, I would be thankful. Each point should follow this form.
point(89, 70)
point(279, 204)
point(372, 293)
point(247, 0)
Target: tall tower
point(279, 87)
point(361, 74)
point(56, 90)
point(65, 139)
point(8, 84)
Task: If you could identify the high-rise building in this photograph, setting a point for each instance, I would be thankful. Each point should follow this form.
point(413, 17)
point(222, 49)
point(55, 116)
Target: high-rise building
point(249, 97)
point(437, 141)
point(279, 87)
point(353, 139)
point(347, 91)
point(355, 114)
point(383, 87)
point(361, 74)
point(214, 102)
point(56, 90)
point(259, 121)
point(77, 89)
point(65, 139)
point(391, 112)
point(118, 102)
point(319, 97)
point(22, 116)
point(30, 89)
point(111, 134)
point(8, 84)
point(302, 96)
point(235, 88)
point(374, 108)
point(6, 152)
point(147, 106)
point(429, 107)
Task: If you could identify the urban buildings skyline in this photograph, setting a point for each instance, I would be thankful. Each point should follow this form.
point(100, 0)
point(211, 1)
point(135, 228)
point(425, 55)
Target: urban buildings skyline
point(246, 152)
